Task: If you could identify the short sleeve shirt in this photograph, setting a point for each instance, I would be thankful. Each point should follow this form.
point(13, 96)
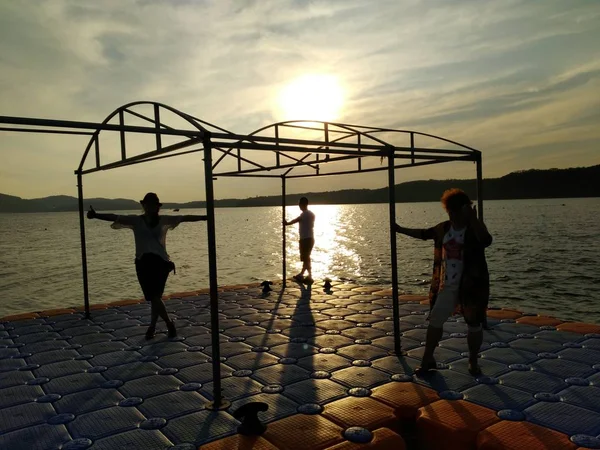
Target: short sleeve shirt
point(148, 239)
point(306, 225)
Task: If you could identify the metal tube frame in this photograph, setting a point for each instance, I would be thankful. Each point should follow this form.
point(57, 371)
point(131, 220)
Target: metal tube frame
point(218, 402)
point(393, 251)
point(213, 137)
point(86, 293)
point(283, 234)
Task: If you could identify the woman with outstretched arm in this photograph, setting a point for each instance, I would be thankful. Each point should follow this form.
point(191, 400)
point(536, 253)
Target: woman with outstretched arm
point(152, 262)
point(460, 275)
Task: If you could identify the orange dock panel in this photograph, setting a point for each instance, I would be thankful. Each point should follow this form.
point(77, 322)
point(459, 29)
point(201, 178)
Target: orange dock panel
point(360, 412)
point(504, 314)
point(303, 431)
point(405, 398)
point(383, 439)
point(579, 327)
point(539, 321)
point(507, 435)
point(239, 442)
point(24, 316)
point(452, 424)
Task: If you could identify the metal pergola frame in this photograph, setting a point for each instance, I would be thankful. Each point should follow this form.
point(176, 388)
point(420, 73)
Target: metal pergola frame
point(335, 143)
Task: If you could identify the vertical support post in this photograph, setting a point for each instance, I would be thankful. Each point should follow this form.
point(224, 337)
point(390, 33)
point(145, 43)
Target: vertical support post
point(218, 401)
point(157, 126)
point(283, 240)
point(97, 149)
point(86, 294)
point(239, 159)
point(479, 187)
point(412, 147)
point(122, 134)
point(359, 158)
point(277, 157)
point(394, 255)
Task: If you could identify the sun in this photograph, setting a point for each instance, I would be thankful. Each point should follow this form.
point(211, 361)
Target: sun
point(312, 97)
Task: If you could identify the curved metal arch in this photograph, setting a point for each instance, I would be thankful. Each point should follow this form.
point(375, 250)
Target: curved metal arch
point(370, 145)
point(350, 128)
point(200, 125)
point(370, 130)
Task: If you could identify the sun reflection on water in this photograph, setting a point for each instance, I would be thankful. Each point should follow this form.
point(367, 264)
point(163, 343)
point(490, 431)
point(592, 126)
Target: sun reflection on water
point(333, 252)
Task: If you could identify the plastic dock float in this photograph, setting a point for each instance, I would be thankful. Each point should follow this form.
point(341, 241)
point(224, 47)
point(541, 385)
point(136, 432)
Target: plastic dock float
point(322, 362)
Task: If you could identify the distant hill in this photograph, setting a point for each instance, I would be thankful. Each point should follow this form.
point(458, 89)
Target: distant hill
point(552, 183)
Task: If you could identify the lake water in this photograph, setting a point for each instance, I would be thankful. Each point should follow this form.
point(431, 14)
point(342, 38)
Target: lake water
point(544, 257)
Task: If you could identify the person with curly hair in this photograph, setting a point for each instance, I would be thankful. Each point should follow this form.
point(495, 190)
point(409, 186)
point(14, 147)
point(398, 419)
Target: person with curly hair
point(460, 275)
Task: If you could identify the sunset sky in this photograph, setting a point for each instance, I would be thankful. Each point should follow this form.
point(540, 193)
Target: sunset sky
point(519, 80)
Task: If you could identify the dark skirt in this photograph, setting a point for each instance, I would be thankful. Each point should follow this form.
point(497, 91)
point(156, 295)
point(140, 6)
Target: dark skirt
point(152, 272)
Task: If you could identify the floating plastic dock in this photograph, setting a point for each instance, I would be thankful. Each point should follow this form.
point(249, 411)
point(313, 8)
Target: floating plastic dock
point(323, 362)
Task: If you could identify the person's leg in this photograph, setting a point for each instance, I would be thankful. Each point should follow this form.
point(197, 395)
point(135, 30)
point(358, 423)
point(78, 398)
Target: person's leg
point(302, 250)
point(474, 340)
point(142, 270)
point(443, 308)
point(474, 319)
point(308, 260)
point(163, 270)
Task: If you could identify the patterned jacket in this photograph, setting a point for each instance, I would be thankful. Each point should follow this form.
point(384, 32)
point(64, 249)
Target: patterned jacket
point(474, 290)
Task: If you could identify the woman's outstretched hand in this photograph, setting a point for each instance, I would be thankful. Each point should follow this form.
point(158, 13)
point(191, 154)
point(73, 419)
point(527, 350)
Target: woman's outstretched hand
point(91, 214)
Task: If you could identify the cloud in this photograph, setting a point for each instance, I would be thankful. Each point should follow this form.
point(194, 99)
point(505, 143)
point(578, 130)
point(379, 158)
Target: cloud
point(506, 77)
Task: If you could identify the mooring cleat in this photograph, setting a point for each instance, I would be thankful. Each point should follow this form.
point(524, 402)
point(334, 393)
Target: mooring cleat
point(266, 286)
point(248, 415)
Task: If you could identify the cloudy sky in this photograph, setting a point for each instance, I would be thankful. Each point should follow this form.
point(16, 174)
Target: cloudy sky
point(517, 79)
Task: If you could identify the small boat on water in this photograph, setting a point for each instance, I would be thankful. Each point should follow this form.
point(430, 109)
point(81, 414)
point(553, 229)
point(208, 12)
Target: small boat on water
point(176, 209)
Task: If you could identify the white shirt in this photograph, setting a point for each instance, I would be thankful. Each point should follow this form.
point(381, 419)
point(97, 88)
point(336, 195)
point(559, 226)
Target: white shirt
point(306, 225)
point(148, 240)
point(454, 241)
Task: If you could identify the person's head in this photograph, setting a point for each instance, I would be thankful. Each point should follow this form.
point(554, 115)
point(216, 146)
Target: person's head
point(453, 201)
point(303, 203)
point(151, 203)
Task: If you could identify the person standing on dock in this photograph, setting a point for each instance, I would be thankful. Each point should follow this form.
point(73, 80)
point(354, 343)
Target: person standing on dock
point(460, 275)
point(152, 263)
point(306, 221)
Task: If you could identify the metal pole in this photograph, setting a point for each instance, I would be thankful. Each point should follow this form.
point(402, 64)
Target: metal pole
point(392, 201)
point(86, 294)
point(283, 250)
point(479, 188)
point(218, 402)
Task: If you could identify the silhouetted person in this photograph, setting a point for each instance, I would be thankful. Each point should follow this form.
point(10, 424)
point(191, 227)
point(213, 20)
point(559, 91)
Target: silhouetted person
point(306, 221)
point(152, 263)
point(460, 275)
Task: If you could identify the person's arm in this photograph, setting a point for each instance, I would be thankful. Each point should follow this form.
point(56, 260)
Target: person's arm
point(192, 218)
point(292, 222)
point(479, 229)
point(417, 233)
point(92, 214)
